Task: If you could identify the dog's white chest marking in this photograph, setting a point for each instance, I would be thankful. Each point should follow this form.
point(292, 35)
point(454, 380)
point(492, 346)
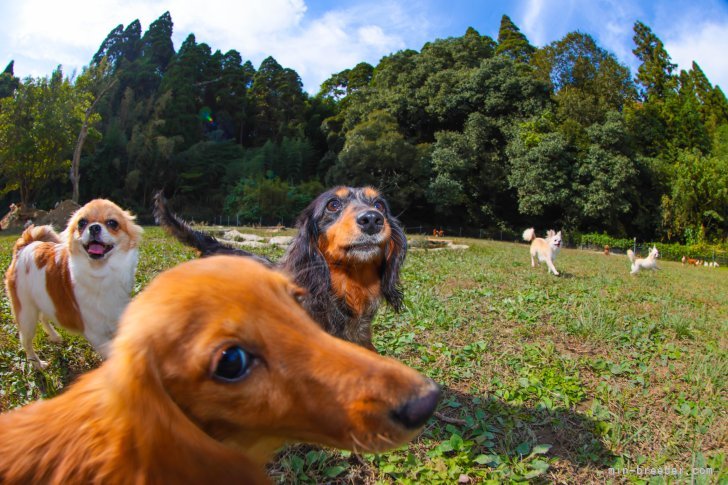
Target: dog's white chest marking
point(102, 294)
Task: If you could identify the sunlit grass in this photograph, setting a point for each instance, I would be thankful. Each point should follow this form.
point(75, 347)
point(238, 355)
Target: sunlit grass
point(554, 378)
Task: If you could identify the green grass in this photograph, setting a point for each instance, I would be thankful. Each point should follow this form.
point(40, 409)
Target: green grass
point(555, 378)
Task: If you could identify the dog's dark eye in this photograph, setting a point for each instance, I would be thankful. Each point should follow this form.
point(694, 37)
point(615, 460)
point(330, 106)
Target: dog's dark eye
point(81, 224)
point(233, 365)
point(334, 205)
point(379, 205)
point(112, 224)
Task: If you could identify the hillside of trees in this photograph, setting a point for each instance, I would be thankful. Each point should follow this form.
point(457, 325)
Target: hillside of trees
point(474, 131)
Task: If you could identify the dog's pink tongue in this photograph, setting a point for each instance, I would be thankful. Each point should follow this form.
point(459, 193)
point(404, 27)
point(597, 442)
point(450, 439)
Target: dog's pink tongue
point(96, 248)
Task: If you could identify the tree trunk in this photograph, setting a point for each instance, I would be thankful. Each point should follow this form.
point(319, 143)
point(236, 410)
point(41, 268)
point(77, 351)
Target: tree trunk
point(76, 161)
point(75, 175)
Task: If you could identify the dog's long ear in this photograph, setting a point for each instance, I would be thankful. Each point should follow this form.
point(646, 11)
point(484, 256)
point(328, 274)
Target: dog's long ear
point(395, 254)
point(304, 261)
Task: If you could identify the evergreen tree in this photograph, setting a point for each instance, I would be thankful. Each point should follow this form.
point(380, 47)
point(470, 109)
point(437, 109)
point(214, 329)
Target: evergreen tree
point(512, 42)
point(8, 82)
point(157, 47)
point(655, 73)
point(278, 103)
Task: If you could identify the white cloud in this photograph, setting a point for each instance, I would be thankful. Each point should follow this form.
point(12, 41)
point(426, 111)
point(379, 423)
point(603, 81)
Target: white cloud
point(704, 44)
point(69, 32)
point(533, 22)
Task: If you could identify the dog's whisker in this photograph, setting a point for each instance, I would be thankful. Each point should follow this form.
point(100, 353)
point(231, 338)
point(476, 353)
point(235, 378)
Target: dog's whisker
point(358, 443)
point(385, 439)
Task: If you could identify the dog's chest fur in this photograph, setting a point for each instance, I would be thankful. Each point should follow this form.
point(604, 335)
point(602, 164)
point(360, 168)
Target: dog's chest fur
point(543, 249)
point(338, 319)
point(103, 291)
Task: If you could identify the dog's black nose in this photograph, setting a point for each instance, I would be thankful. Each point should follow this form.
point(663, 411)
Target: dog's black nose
point(94, 229)
point(370, 222)
point(415, 412)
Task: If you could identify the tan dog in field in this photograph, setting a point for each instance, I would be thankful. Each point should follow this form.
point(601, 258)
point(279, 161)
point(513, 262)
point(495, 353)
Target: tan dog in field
point(209, 374)
point(544, 250)
point(80, 279)
point(650, 262)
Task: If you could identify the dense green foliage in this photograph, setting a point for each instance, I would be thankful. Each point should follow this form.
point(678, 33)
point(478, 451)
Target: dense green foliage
point(470, 131)
point(668, 251)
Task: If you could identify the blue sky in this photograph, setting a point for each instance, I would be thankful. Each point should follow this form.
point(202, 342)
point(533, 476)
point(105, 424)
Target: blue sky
point(318, 38)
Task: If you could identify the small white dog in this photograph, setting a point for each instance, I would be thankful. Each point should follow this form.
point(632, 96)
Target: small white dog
point(81, 279)
point(544, 249)
point(650, 262)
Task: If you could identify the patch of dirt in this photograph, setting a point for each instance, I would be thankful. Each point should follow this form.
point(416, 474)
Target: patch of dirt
point(452, 284)
point(59, 216)
point(18, 216)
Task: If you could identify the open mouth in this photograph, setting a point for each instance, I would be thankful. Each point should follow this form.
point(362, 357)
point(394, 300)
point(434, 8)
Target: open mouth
point(97, 249)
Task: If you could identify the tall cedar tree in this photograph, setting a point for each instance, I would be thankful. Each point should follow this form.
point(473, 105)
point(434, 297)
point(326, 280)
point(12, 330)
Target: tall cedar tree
point(512, 42)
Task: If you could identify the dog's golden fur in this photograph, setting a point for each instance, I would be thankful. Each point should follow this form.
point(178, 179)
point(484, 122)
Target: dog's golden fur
point(157, 412)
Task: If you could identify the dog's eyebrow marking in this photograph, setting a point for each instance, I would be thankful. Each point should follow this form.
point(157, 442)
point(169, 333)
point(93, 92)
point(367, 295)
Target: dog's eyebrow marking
point(370, 192)
point(342, 192)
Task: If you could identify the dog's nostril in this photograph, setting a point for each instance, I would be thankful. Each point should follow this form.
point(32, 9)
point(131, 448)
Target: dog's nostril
point(371, 222)
point(94, 229)
point(415, 412)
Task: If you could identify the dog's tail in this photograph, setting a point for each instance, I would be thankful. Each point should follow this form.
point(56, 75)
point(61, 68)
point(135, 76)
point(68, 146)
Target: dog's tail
point(630, 255)
point(206, 244)
point(36, 233)
point(529, 234)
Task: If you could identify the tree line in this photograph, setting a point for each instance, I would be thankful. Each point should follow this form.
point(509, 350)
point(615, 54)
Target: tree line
point(490, 133)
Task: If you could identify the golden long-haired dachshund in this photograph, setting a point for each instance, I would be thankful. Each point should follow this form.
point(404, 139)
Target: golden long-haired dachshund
point(210, 373)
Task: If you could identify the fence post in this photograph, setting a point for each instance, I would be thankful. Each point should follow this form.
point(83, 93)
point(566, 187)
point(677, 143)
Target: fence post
point(461, 231)
point(635, 246)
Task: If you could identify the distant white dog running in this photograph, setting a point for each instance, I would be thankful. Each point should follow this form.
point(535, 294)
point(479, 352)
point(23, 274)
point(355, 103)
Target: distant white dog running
point(544, 249)
point(650, 262)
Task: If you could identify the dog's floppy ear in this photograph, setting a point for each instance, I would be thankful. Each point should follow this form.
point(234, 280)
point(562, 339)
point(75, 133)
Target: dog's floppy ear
point(394, 258)
point(304, 260)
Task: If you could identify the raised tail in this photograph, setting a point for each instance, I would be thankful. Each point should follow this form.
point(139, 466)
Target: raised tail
point(529, 234)
point(36, 233)
point(630, 255)
point(206, 244)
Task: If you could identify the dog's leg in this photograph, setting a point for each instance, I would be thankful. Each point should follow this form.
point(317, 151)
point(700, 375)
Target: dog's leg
point(27, 321)
point(551, 266)
point(533, 261)
point(53, 335)
point(99, 341)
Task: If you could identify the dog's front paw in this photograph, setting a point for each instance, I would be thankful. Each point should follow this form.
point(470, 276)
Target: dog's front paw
point(55, 338)
point(39, 365)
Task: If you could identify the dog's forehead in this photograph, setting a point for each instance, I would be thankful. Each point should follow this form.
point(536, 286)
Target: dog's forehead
point(99, 209)
point(356, 193)
point(221, 288)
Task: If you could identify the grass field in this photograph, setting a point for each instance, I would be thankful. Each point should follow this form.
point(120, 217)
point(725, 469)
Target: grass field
point(546, 378)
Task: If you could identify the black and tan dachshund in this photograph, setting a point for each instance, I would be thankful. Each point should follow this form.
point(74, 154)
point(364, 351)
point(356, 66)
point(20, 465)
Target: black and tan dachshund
point(347, 255)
